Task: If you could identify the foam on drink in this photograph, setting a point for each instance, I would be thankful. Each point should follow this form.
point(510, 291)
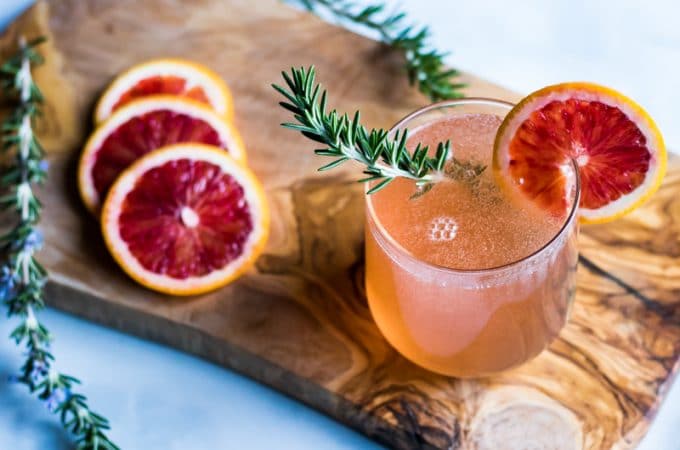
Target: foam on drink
point(464, 224)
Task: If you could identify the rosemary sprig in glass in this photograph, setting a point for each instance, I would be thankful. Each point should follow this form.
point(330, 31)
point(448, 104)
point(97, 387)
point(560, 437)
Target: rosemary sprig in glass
point(385, 157)
point(22, 277)
point(424, 65)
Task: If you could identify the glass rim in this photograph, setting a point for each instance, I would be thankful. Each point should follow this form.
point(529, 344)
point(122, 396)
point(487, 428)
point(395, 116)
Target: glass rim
point(490, 270)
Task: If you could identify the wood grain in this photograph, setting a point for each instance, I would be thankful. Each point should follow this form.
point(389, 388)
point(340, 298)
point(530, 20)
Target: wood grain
point(299, 322)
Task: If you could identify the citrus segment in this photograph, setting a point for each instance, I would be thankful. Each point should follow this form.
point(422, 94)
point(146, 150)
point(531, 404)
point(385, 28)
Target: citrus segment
point(166, 76)
point(617, 148)
point(185, 219)
point(142, 126)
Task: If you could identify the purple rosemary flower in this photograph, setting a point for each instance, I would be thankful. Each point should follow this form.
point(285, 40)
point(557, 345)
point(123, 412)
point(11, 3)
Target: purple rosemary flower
point(44, 165)
point(7, 283)
point(33, 241)
point(57, 396)
point(38, 371)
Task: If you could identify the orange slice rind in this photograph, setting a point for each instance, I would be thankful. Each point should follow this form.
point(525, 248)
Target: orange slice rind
point(166, 76)
point(615, 144)
point(185, 219)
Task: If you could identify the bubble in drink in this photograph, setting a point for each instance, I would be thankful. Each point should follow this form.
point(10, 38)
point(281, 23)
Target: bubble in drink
point(443, 229)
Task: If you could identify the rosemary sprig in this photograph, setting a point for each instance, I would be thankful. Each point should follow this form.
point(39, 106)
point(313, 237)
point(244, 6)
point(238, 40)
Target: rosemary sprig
point(22, 277)
point(385, 157)
point(424, 65)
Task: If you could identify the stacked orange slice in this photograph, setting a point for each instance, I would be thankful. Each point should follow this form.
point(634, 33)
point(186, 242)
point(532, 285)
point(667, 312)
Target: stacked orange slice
point(175, 77)
point(180, 211)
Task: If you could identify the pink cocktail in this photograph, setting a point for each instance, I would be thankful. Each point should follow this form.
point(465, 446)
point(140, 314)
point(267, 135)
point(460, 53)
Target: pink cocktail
point(471, 277)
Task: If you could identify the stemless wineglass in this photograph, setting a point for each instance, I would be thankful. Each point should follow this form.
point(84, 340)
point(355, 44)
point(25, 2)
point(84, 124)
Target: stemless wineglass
point(470, 322)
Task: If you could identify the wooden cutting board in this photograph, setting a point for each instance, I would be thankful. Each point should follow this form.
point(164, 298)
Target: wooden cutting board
point(299, 321)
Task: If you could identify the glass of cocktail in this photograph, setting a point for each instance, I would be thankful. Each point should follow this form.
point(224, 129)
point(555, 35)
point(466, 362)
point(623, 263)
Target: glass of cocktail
point(469, 278)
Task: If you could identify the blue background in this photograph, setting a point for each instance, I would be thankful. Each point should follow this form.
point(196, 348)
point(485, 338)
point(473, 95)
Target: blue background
point(158, 398)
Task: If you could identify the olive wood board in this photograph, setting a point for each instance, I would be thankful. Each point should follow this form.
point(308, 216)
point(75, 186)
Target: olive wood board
point(298, 321)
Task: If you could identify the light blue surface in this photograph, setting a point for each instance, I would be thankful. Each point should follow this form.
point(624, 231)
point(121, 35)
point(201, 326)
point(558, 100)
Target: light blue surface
point(158, 398)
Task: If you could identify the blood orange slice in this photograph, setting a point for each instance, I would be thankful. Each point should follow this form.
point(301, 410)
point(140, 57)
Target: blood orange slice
point(142, 126)
point(185, 219)
point(617, 147)
point(166, 76)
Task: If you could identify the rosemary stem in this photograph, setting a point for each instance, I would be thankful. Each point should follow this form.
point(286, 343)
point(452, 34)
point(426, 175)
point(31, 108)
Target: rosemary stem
point(424, 65)
point(22, 278)
point(25, 136)
point(24, 75)
point(25, 277)
point(343, 13)
point(31, 321)
point(385, 155)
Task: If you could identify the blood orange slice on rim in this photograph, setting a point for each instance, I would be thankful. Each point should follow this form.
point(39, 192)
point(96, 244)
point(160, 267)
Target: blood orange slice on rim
point(142, 126)
point(166, 76)
point(185, 219)
point(617, 147)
